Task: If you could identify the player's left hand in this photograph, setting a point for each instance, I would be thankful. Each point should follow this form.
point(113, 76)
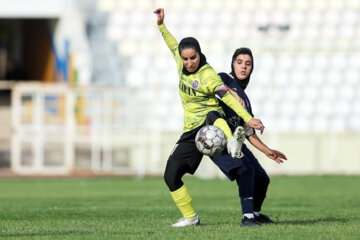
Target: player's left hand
point(275, 155)
point(160, 15)
point(257, 124)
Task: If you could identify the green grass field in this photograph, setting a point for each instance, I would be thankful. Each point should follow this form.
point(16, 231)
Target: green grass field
point(305, 207)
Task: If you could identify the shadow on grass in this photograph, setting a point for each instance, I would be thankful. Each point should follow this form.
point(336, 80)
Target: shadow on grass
point(57, 233)
point(313, 221)
point(289, 222)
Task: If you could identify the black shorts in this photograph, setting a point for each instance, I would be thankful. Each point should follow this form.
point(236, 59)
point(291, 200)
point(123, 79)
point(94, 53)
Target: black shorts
point(185, 155)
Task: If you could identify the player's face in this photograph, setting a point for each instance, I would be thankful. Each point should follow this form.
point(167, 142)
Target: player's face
point(191, 59)
point(242, 66)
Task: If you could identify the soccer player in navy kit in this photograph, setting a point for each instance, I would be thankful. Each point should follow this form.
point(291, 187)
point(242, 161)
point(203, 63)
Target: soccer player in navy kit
point(251, 178)
point(198, 87)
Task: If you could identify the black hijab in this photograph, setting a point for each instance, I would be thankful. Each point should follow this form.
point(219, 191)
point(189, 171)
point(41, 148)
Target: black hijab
point(191, 42)
point(243, 83)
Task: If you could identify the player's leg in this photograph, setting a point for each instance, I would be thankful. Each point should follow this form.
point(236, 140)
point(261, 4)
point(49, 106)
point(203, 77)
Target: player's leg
point(242, 171)
point(235, 140)
point(185, 158)
point(261, 183)
point(245, 181)
point(234, 144)
point(179, 192)
point(215, 118)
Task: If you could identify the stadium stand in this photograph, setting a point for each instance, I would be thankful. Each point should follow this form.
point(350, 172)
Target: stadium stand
point(305, 85)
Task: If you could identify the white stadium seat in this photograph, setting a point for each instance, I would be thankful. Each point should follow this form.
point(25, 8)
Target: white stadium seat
point(342, 108)
point(315, 73)
point(299, 77)
point(338, 124)
point(351, 76)
point(329, 32)
point(284, 124)
point(334, 76)
point(346, 92)
point(350, 17)
point(320, 123)
point(288, 108)
point(331, 18)
point(314, 18)
point(297, 18)
point(316, 77)
point(281, 78)
point(328, 92)
point(301, 124)
point(325, 108)
point(306, 108)
point(292, 92)
point(354, 121)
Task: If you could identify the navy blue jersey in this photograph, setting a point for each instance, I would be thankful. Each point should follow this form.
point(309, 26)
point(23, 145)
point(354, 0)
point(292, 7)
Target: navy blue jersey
point(231, 117)
point(224, 161)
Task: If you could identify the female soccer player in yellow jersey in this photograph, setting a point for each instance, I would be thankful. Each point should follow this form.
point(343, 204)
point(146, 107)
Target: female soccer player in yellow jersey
point(199, 87)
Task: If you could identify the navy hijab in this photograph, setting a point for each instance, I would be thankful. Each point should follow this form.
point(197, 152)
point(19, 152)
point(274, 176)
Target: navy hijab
point(243, 83)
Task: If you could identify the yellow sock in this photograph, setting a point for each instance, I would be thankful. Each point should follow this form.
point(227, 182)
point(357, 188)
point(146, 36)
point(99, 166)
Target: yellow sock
point(183, 201)
point(222, 124)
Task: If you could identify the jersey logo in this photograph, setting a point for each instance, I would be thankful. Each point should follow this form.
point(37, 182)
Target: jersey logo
point(189, 91)
point(195, 84)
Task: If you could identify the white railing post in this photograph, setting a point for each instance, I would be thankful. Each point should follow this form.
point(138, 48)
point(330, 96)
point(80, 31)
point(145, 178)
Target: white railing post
point(69, 129)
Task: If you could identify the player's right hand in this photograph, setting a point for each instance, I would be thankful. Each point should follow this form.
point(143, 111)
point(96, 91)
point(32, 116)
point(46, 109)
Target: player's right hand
point(257, 124)
point(275, 155)
point(160, 15)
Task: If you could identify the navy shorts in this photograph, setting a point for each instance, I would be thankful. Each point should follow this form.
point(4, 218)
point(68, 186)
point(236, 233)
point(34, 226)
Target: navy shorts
point(229, 165)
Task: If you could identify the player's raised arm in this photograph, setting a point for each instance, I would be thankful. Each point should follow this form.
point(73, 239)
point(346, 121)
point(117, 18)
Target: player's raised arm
point(169, 39)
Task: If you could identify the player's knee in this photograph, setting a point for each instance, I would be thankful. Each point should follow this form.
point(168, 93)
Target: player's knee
point(172, 178)
point(263, 182)
point(266, 180)
point(246, 169)
point(263, 178)
point(168, 177)
point(172, 183)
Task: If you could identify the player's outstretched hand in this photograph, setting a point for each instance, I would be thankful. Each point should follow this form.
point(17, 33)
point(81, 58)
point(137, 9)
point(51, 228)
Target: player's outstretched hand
point(257, 124)
point(277, 156)
point(160, 15)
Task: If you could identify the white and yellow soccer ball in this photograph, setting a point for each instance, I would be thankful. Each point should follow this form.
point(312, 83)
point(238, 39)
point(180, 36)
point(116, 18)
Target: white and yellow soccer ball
point(210, 140)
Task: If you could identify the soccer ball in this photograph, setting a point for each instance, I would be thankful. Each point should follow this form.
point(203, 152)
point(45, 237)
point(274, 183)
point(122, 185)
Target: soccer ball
point(210, 140)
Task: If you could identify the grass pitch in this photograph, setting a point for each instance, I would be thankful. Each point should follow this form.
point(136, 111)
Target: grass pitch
point(305, 207)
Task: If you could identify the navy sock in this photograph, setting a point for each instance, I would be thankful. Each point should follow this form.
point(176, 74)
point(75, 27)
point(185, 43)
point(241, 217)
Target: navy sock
point(247, 205)
point(245, 182)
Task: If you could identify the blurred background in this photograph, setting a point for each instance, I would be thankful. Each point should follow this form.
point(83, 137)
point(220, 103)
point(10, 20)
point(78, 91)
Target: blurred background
point(89, 86)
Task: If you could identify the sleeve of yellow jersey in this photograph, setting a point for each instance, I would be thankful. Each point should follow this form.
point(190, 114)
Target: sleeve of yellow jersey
point(235, 105)
point(172, 44)
point(215, 83)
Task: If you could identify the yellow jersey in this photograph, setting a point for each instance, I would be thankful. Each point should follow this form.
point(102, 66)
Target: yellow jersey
point(197, 90)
